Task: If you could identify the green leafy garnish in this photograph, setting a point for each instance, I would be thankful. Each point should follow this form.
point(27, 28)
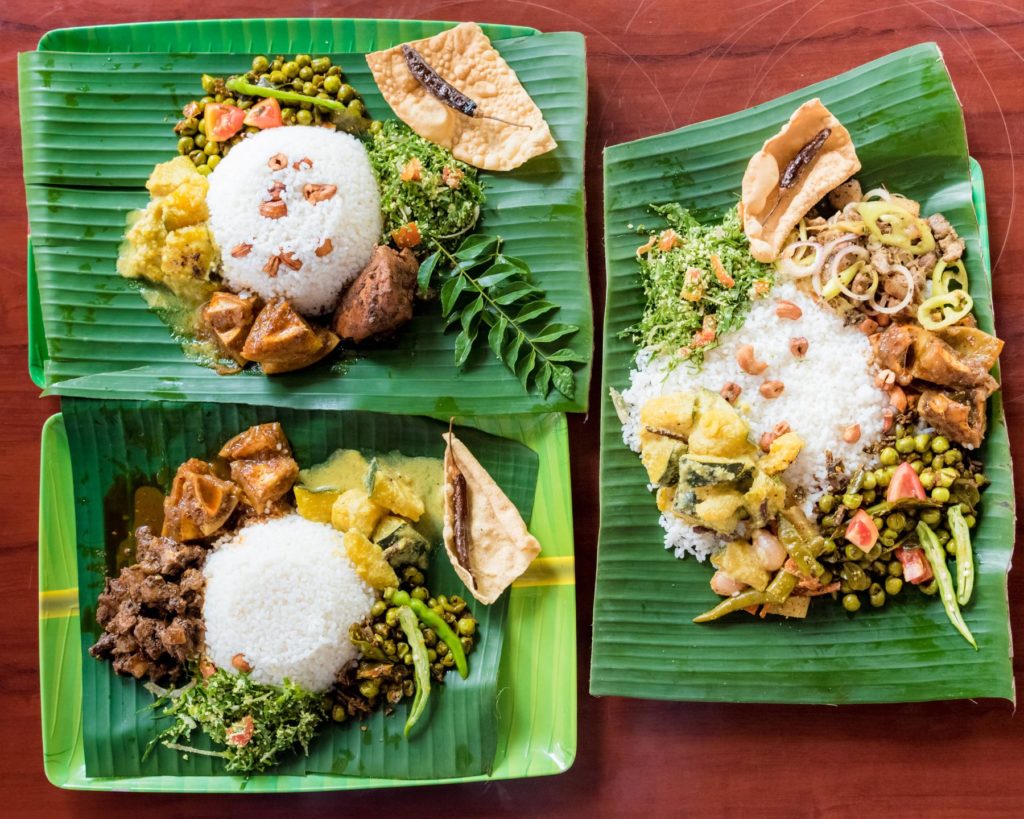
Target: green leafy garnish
point(254, 722)
point(483, 287)
point(444, 211)
point(689, 306)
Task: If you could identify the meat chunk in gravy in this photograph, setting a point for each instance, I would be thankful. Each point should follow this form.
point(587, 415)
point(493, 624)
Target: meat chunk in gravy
point(200, 503)
point(262, 465)
point(380, 300)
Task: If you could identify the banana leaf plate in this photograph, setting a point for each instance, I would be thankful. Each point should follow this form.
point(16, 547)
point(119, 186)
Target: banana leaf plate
point(908, 127)
point(97, 110)
point(514, 717)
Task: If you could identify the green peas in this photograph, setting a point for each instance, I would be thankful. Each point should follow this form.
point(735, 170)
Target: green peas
point(287, 115)
point(467, 627)
point(922, 442)
point(940, 494)
point(200, 141)
point(369, 688)
point(208, 83)
point(303, 117)
point(338, 712)
point(876, 596)
point(198, 158)
point(970, 520)
point(933, 517)
point(211, 148)
point(318, 80)
point(954, 456)
point(332, 84)
point(277, 63)
point(826, 503)
point(851, 602)
point(185, 145)
point(212, 162)
point(309, 89)
point(895, 568)
point(927, 478)
point(334, 71)
point(297, 85)
point(260, 64)
point(917, 466)
point(889, 537)
point(897, 521)
point(889, 456)
point(879, 523)
point(828, 547)
point(305, 73)
point(378, 608)
point(321, 64)
point(323, 95)
point(893, 586)
point(940, 444)
point(188, 126)
point(419, 593)
point(277, 78)
point(303, 60)
point(882, 478)
point(905, 445)
point(951, 547)
point(852, 501)
point(204, 170)
point(290, 70)
point(980, 479)
point(875, 552)
point(346, 93)
point(947, 476)
point(356, 108)
point(870, 481)
point(853, 552)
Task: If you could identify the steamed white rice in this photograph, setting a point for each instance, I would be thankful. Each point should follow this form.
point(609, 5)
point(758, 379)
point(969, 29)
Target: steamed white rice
point(828, 390)
point(351, 219)
point(283, 594)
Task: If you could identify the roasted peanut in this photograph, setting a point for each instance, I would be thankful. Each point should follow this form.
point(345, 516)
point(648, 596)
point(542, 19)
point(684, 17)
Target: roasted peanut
point(325, 248)
point(274, 209)
point(239, 662)
point(898, 399)
point(885, 380)
point(748, 363)
point(771, 389)
point(318, 193)
point(731, 391)
point(787, 310)
point(852, 434)
point(768, 438)
point(277, 162)
point(238, 251)
point(798, 346)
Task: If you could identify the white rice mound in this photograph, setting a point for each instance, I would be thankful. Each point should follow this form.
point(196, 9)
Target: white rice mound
point(825, 392)
point(283, 594)
point(351, 219)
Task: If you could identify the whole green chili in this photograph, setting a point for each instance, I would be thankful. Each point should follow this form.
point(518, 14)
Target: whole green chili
point(429, 618)
point(342, 116)
point(937, 558)
point(743, 600)
point(964, 555)
point(421, 665)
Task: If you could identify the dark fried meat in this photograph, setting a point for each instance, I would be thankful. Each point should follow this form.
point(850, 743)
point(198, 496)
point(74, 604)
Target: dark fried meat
point(151, 613)
point(380, 300)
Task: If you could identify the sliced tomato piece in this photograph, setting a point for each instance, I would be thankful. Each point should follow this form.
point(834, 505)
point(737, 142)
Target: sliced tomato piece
point(264, 114)
point(905, 484)
point(222, 121)
point(916, 568)
point(407, 235)
point(861, 531)
point(240, 733)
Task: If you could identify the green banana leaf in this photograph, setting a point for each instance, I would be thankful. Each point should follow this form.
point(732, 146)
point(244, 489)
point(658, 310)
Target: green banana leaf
point(96, 118)
point(118, 446)
point(908, 127)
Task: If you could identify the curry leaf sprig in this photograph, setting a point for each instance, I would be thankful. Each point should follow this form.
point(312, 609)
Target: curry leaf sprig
point(485, 288)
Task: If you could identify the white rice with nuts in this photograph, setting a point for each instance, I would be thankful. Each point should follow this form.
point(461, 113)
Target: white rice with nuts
point(283, 594)
point(295, 212)
point(825, 393)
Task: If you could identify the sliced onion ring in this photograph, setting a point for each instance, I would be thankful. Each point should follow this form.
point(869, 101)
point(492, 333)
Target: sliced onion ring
point(881, 193)
point(878, 308)
point(800, 271)
point(825, 253)
point(846, 291)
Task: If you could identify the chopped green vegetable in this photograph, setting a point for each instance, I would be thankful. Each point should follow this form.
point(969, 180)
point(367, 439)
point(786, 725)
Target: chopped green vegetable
point(254, 722)
point(440, 194)
point(699, 281)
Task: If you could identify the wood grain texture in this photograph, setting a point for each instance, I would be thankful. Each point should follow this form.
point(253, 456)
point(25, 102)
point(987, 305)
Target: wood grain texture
point(654, 65)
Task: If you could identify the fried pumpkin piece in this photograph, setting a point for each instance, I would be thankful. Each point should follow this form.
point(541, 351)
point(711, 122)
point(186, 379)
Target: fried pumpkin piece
point(781, 454)
point(199, 504)
point(281, 340)
point(229, 318)
point(258, 441)
point(369, 561)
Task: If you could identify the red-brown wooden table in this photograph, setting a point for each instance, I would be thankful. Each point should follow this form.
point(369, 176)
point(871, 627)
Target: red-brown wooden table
point(654, 65)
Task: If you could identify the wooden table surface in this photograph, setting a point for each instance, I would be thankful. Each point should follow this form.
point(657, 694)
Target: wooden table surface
point(653, 65)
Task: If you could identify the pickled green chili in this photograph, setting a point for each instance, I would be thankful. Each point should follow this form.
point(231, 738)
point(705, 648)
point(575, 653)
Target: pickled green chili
point(421, 665)
point(781, 587)
point(937, 558)
point(743, 600)
point(964, 555)
point(430, 618)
